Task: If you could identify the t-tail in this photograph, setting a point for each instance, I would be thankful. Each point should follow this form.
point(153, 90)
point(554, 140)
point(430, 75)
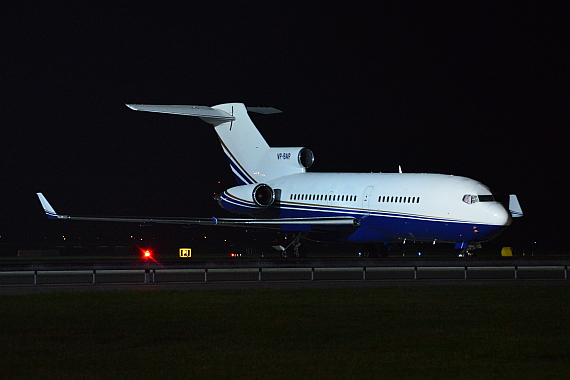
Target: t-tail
point(251, 159)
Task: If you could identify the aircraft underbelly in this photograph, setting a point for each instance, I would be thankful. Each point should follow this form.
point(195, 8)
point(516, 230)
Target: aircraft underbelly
point(387, 228)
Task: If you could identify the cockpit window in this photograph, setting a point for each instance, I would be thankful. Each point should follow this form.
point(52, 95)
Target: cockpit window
point(470, 199)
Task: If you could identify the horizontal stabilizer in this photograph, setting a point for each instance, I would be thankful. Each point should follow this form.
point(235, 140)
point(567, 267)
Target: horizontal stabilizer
point(514, 206)
point(208, 114)
point(263, 110)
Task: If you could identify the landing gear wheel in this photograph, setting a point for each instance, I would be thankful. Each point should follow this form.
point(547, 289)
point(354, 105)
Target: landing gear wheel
point(374, 250)
point(294, 249)
point(467, 251)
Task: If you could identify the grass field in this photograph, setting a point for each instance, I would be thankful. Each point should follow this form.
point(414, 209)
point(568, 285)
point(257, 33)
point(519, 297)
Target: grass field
point(510, 332)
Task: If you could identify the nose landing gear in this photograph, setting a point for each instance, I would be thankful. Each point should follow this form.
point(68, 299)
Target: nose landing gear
point(466, 252)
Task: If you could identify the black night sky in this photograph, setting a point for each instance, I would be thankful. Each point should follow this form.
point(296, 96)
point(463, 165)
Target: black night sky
point(478, 89)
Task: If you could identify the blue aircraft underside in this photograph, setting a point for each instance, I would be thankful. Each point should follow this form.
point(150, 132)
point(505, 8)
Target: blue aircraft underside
point(377, 225)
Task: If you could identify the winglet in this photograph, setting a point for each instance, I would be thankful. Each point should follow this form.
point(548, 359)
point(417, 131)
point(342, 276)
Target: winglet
point(514, 206)
point(50, 212)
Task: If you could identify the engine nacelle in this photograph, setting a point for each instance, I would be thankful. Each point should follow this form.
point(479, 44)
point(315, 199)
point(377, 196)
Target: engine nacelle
point(263, 195)
point(293, 157)
point(278, 162)
point(305, 157)
point(247, 199)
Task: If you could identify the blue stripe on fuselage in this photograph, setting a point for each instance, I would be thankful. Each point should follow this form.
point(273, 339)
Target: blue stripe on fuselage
point(377, 226)
point(389, 226)
point(238, 172)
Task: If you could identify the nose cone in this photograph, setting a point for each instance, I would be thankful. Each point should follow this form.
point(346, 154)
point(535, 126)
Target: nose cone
point(497, 215)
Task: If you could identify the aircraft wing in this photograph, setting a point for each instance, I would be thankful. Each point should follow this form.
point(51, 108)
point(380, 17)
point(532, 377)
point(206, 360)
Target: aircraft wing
point(291, 224)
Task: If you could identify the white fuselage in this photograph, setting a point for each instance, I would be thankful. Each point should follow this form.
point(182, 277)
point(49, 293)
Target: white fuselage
point(390, 207)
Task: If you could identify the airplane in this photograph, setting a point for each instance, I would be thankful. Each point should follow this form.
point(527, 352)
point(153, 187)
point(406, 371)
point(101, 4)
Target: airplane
point(275, 190)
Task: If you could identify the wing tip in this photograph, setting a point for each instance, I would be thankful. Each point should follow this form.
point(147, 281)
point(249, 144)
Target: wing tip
point(48, 209)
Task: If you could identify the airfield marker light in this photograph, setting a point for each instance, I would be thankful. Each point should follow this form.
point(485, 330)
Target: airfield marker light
point(147, 253)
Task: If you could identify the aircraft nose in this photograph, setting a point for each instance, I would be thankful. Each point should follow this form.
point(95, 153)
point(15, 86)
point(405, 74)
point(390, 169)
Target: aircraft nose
point(497, 215)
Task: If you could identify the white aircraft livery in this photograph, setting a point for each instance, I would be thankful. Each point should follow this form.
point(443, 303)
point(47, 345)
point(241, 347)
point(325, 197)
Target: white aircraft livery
point(276, 191)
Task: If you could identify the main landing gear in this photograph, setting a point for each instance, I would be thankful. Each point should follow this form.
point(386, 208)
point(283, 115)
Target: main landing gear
point(374, 250)
point(293, 249)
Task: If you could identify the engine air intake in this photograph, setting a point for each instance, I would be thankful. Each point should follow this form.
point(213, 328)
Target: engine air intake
point(263, 195)
point(306, 158)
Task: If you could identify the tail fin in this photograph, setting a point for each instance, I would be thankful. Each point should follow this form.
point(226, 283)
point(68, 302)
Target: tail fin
point(242, 143)
point(251, 159)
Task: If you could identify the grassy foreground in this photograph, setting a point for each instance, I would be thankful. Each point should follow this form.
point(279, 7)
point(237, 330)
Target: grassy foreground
point(422, 333)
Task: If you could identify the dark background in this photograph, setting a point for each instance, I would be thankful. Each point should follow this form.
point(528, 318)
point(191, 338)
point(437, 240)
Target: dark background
point(479, 90)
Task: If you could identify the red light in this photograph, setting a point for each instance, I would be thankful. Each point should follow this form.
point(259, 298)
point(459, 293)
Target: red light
point(147, 253)
point(232, 254)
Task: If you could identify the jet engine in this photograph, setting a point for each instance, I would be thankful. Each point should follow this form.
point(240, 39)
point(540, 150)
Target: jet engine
point(279, 162)
point(263, 195)
point(248, 199)
point(305, 157)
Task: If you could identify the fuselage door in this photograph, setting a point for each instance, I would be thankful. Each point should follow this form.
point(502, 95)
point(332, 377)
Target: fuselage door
point(329, 198)
point(366, 197)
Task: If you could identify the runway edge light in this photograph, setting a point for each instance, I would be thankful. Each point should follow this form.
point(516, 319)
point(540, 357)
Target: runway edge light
point(185, 252)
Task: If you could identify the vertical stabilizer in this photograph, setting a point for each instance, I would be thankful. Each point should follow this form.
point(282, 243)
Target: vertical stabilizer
point(242, 143)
